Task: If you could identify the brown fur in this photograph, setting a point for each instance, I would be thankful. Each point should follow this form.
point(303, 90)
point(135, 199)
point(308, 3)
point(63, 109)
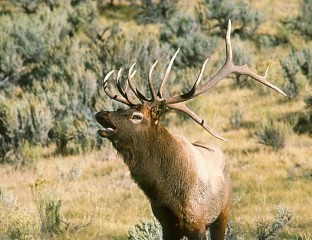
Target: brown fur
point(188, 185)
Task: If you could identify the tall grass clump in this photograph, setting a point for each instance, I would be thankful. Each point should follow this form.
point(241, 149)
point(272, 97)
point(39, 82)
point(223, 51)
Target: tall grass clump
point(48, 208)
point(17, 222)
point(236, 117)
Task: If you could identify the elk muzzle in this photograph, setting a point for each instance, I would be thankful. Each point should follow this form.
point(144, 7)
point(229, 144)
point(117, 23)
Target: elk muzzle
point(109, 129)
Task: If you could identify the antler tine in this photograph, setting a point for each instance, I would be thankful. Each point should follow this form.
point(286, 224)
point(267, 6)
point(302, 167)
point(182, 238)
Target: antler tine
point(200, 74)
point(167, 74)
point(262, 79)
point(131, 84)
point(228, 44)
point(136, 92)
point(227, 69)
point(121, 91)
point(190, 93)
point(109, 93)
point(118, 83)
point(150, 83)
point(183, 108)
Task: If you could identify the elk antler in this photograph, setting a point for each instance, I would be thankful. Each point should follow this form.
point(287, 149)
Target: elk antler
point(112, 95)
point(177, 102)
point(227, 69)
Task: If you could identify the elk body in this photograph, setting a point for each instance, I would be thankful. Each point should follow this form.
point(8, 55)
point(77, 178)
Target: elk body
point(188, 184)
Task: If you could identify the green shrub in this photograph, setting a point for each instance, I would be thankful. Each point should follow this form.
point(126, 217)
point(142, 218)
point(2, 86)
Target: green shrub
point(214, 15)
point(236, 117)
point(11, 62)
point(180, 24)
point(82, 15)
point(24, 123)
point(155, 10)
point(268, 230)
point(272, 137)
point(183, 31)
point(73, 135)
point(303, 22)
point(146, 230)
point(48, 80)
point(304, 123)
point(304, 19)
point(5, 132)
point(49, 212)
point(32, 39)
point(282, 36)
point(195, 49)
point(26, 155)
point(300, 60)
point(29, 6)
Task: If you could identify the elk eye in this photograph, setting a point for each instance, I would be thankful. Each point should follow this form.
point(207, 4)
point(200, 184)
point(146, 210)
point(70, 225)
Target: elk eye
point(137, 117)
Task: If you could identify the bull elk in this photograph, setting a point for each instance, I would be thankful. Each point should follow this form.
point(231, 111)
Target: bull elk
point(188, 184)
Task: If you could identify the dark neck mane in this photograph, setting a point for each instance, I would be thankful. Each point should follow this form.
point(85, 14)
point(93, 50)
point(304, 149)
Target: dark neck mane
point(154, 158)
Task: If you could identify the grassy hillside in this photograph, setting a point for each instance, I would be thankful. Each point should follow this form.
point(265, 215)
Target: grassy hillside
point(90, 195)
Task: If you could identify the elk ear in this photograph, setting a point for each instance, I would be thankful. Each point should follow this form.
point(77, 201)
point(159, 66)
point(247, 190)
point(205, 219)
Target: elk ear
point(158, 111)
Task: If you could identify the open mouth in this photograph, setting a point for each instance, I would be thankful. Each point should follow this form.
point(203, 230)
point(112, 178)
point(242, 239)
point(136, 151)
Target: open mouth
point(108, 128)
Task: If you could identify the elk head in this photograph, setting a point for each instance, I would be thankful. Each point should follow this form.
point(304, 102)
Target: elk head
point(147, 113)
point(121, 125)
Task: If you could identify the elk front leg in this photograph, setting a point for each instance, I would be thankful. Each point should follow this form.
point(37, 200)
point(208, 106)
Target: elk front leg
point(218, 227)
point(169, 223)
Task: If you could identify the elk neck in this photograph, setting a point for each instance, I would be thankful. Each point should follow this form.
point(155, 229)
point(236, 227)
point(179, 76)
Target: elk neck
point(155, 159)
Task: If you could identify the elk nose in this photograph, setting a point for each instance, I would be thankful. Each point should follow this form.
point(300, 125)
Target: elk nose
point(100, 115)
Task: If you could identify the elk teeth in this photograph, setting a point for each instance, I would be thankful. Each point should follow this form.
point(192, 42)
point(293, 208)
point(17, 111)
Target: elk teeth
point(109, 129)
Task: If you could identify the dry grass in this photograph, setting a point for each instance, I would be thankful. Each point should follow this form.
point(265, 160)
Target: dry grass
point(100, 189)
